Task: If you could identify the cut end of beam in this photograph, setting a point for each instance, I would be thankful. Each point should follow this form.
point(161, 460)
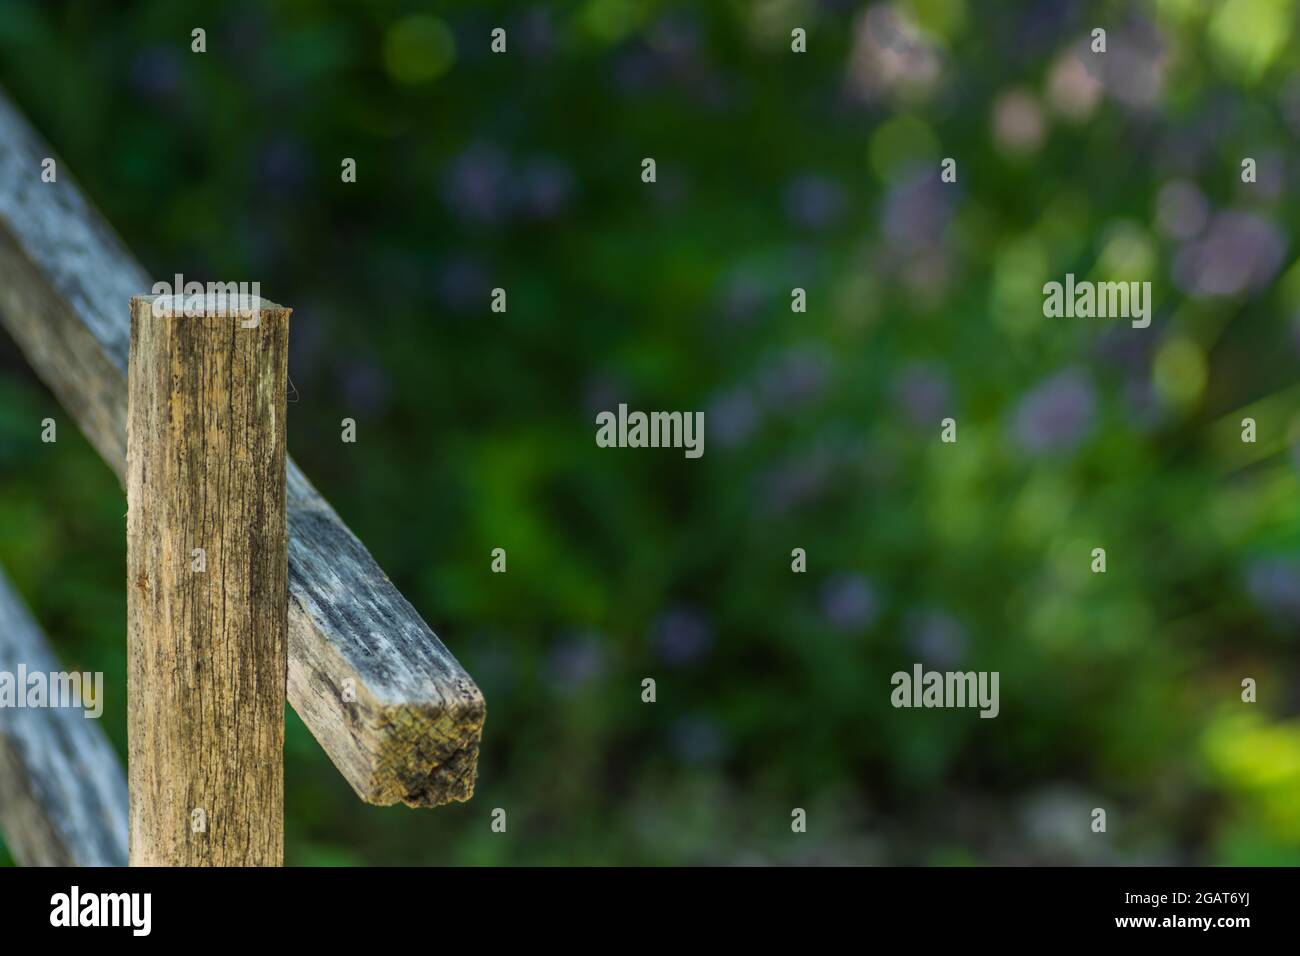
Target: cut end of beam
point(430, 755)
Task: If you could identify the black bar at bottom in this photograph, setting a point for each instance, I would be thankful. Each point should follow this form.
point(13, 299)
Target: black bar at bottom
point(608, 907)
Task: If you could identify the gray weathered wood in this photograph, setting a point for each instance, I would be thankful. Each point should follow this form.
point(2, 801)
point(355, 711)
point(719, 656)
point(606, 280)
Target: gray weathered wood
point(412, 733)
point(62, 790)
point(206, 563)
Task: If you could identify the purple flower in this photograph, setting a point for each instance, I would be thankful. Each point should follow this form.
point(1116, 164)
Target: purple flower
point(890, 54)
point(1040, 26)
point(936, 637)
point(795, 481)
point(1274, 583)
point(716, 91)
point(476, 184)
point(814, 202)
point(576, 661)
point(1056, 415)
point(462, 285)
point(1190, 147)
point(1135, 64)
point(741, 296)
point(1270, 175)
point(637, 72)
point(1116, 348)
point(1181, 209)
point(732, 417)
point(545, 187)
point(535, 33)
point(796, 377)
point(365, 386)
point(675, 38)
point(1240, 252)
point(848, 602)
point(156, 72)
point(681, 635)
point(283, 165)
point(1130, 356)
point(924, 392)
point(916, 212)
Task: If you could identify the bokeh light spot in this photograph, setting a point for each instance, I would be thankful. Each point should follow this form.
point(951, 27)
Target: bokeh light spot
point(418, 49)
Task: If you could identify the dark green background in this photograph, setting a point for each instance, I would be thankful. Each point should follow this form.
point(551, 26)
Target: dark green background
point(775, 170)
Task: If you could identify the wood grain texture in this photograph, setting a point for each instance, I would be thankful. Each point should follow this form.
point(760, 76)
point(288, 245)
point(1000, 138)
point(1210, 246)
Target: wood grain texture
point(62, 790)
point(412, 733)
point(207, 599)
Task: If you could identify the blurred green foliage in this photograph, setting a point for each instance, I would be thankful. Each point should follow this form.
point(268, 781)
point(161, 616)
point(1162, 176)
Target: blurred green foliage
point(775, 170)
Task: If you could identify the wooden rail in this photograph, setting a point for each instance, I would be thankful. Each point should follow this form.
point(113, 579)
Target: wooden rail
point(391, 706)
point(62, 791)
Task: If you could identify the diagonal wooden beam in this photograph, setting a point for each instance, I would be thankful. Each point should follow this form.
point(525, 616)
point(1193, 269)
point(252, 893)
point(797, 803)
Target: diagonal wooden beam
point(394, 710)
point(62, 789)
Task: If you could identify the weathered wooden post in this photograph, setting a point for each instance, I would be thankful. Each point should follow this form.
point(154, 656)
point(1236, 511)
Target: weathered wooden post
point(206, 578)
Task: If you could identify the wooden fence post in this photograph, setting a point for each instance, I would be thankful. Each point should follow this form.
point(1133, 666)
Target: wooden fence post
point(206, 578)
